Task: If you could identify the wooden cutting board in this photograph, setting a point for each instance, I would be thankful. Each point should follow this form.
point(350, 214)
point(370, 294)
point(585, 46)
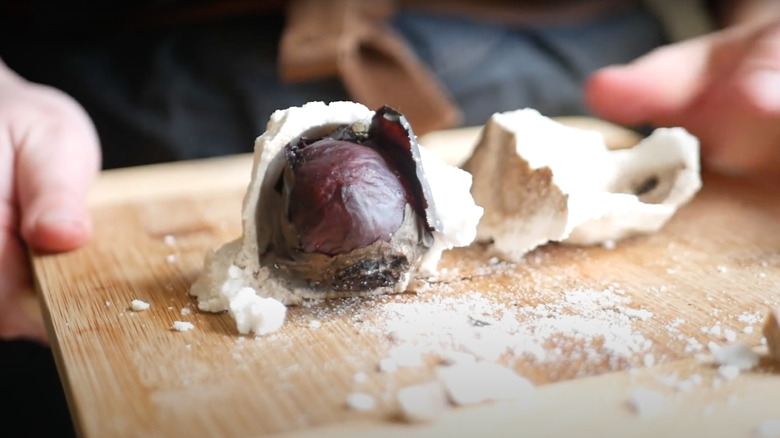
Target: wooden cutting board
point(608, 321)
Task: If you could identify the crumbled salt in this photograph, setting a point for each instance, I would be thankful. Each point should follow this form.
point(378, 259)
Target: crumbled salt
point(139, 305)
point(186, 311)
point(256, 314)
point(315, 324)
point(723, 269)
point(730, 335)
point(748, 330)
point(768, 428)
point(182, 326)
point(738, 355)
point(360, 401)
point(647, 403)
point(171, 258)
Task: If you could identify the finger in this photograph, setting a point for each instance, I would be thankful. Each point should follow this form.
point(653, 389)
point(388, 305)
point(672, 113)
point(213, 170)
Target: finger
point(56, 163)
point(757, 78)
point(655, 86)
point(17, 319)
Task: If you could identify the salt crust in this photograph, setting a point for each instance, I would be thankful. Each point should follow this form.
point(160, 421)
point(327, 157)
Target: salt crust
point(232, 277)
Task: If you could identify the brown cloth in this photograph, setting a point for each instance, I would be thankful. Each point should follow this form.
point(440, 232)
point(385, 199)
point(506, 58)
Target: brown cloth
point(351, 39)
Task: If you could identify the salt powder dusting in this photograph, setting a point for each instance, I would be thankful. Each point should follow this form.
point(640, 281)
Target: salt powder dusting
point(595, 326)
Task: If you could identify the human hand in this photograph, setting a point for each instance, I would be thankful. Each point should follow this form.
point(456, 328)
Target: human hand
point(723, 87)
point(49, 154)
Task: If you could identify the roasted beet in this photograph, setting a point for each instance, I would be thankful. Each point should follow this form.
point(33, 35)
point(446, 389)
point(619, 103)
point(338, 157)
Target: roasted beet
point(345, 197)
point(349, 210)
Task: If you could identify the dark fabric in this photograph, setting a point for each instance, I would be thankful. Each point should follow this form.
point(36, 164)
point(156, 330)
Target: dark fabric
point(33, 401)
point(492, 69)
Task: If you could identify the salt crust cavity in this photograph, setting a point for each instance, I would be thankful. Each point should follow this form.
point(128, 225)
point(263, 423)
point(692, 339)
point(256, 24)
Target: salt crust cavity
point(540, 181)
point(233, 278)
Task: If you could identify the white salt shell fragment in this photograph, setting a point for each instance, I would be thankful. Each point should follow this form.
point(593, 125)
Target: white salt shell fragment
point(182, 326)
point(360, 401)
point(738, 355)
point(768, 428)
point(470, 383)
point(647, 403)
point(540, 181)
point(235, 267)
point(422, 403)
point(138, 305)
point(729, 372)
point(254, 314)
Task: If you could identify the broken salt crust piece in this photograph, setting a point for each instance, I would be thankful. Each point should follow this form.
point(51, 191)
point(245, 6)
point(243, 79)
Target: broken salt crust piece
point(182, 326)
point(771, 332)
point(234, 269)
point(471, 383)
point(768, 428)
point(540, 181)
point(360, 401)
point(646, 402)
point(737, 355)
point(138, 305)
point(422, 403)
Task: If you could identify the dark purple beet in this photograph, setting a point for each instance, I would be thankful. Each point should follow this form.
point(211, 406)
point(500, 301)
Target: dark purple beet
point(345, 196)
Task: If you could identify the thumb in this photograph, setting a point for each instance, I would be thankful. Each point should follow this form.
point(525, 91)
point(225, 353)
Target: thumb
point(652, 88)
point(56, 163)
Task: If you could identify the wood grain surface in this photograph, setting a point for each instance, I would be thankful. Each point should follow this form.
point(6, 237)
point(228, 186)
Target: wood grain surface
point(128, 374)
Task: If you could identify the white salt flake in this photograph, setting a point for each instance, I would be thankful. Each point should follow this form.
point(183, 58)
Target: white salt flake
point(314, 324)
point(169, 240)
point(723, 269)
point(647, 403)
point(739, 355)
point(360, 378)
point(186, 311)
point(728, 372)
point(479, 382)
point(182, 326)
point(730, 335)
point(360, 401)
point(171, 258)
point(255, 314)
point(422, 403)
point(139, 305)
point(748, 330)
point(768, 428)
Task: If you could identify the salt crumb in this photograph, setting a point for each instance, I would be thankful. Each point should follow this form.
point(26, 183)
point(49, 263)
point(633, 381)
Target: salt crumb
point(609, 244)
point(728, 372)
point(138, 305)
point(730, 335)
point(646, 402)
point(723, 269)
point(422, 403)
point(108, 303)
point(360, 401)
point(478, 382)
point(359, 378)
point(169, 240)
point(761, 275)
point(171, 258)
point(182, 326)
point(315, 324)
point(768, 428)
point(748, 330)
point(387, 365)
point(738, 355)
point(186, 311)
